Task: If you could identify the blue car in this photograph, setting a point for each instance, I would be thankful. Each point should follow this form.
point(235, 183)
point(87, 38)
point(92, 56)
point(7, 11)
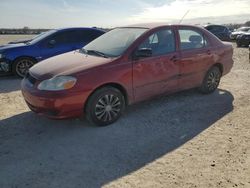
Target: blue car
point(220, 31)
point(18, 57)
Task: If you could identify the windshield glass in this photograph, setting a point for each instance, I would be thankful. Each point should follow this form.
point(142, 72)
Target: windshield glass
point(115, 42)
point(41, 36)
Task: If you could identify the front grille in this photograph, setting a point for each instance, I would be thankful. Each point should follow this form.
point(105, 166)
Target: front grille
point(31, 78)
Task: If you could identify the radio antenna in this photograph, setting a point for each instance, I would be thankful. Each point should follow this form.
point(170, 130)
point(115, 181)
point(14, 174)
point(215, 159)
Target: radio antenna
point(184, 16)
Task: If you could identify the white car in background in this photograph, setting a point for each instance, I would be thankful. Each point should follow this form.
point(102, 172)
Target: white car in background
point(238, 32)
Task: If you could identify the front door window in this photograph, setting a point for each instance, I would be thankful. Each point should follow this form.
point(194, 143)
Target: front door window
point(161, 42)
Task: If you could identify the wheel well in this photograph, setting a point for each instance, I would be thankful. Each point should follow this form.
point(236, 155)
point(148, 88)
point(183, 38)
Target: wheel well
point(23, 57)
point(114, 85)
point(220, 66)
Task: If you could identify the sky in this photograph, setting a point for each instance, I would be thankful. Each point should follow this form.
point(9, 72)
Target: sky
point(112, 13)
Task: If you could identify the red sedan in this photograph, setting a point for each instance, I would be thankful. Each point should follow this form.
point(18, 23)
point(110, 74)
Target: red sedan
point(124, 66)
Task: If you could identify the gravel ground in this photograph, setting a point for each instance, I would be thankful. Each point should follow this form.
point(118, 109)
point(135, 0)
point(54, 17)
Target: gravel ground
point(183, 140)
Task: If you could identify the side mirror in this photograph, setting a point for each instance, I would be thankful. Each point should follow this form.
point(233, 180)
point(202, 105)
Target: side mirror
point(142, 53)
point(51, 43)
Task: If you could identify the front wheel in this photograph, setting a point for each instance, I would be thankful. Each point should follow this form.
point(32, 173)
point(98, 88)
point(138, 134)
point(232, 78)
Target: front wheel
point(105, 106)
point(211, 80)
point(21, 66)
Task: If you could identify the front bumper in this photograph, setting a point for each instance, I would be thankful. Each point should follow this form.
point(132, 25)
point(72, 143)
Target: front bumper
point(4, 66)
point(243, 41)
point(54, 105)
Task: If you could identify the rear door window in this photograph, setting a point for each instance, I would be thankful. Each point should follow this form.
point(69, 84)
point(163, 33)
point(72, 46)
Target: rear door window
point(191, 39)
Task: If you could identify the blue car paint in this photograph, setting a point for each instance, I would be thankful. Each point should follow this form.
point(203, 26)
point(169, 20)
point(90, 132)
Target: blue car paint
point(38, 48)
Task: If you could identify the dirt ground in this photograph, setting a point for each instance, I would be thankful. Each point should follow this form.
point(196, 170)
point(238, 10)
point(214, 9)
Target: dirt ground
point(183, 140)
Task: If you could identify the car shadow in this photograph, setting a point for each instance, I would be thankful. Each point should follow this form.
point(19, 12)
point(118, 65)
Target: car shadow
point(38, 152)
point(243, 47)
point(9, 83)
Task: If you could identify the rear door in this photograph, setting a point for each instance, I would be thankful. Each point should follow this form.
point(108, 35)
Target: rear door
point(195, 57)
point(159, 73)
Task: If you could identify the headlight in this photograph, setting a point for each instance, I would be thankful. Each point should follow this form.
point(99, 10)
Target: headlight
point(57, 83)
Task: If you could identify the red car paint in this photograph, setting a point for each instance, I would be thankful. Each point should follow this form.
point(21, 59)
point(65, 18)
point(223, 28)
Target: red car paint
point(138, 79)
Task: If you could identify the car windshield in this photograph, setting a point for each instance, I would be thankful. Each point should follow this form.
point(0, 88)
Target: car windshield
point(41, 36)
point(114, 43)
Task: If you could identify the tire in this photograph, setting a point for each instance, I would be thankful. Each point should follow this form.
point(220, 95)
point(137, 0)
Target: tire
point(211, 80)
point(22, 65)
point(105, 106)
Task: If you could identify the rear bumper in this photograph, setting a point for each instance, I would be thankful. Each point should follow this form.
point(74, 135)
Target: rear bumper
point(54, 105)
point(228, 68)
point(227, 65)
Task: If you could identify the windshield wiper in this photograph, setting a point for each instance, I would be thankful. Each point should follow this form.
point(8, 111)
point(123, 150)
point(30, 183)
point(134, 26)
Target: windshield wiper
point(95, 52)
point(82, 50)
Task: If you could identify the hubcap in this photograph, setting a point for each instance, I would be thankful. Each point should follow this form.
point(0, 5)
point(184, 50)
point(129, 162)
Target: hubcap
point(23, 67)
point(213, 80)
point(107, 108)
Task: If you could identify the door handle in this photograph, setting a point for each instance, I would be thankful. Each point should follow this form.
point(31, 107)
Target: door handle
point(174, 59)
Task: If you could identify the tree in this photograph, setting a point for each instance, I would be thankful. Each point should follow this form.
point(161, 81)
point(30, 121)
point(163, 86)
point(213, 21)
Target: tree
point(247, 23)
point(26, 29)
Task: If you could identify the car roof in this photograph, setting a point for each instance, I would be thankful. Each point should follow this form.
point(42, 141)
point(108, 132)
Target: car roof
point(79, 28)
point(156, 25)
point(215, 25)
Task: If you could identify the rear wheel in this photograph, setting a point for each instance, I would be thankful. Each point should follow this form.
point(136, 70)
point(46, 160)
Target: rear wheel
point(105, 106)
point(21, 66)
point(211, 80)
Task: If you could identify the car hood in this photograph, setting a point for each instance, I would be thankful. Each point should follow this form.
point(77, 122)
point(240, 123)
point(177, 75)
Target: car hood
point(238, 32)
point(10, 46)
point(66, 64)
